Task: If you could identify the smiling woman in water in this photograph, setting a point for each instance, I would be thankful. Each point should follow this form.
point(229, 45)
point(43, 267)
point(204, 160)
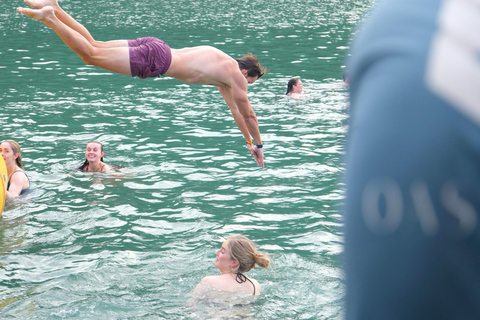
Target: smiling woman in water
point(94, 159)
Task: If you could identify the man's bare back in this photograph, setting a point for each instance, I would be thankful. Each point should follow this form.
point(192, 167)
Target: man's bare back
point(203, 65)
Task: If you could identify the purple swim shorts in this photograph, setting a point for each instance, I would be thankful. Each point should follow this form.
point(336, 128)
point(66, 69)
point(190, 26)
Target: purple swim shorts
point(149, 57)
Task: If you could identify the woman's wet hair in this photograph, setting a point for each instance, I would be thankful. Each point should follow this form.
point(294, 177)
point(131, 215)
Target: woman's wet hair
point(85, 163)
point(250, 63)
point(292, 82)
point(244, 251)
point(16, 150)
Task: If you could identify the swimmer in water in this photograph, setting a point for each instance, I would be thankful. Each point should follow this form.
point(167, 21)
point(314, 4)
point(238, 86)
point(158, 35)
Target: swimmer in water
point(236, 257)
point(94, 159)
point(295, 88)
point(18, 181)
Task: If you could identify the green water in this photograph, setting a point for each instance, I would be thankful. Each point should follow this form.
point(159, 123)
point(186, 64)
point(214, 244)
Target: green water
point(133, 245)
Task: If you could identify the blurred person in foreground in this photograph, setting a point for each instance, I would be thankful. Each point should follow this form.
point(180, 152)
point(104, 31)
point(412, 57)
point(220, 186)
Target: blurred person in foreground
point(412, 237)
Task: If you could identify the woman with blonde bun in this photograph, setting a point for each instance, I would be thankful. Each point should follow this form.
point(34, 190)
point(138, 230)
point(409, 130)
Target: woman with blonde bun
point(237, 256)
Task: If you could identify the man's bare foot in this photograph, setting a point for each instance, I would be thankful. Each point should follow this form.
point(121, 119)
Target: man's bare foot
point(39, 15)
point(39, 4)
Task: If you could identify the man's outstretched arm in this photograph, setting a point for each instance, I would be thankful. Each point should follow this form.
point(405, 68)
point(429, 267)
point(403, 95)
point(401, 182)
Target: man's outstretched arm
point(237, 116)
point(239, 94)
point(242, 125)
point(239, 87)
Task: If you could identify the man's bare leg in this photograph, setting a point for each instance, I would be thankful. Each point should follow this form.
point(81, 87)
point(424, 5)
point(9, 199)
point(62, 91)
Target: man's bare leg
point(115, 59)
point(74, 24)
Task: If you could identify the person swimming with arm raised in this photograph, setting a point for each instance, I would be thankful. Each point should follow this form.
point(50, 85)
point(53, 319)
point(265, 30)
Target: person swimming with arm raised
point(151, 57)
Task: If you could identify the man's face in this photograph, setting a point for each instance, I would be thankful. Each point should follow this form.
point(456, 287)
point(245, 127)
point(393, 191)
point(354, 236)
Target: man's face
point(250, 80)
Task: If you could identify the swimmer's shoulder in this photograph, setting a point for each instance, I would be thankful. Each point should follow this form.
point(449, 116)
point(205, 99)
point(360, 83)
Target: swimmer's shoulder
point(108, 168)
point(210, 280)
point(258, 286)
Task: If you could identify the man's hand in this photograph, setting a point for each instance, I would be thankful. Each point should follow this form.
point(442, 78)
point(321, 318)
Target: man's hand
point(257, 153)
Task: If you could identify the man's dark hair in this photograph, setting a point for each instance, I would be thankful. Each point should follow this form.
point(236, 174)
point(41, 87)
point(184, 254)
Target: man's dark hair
point(250, 63)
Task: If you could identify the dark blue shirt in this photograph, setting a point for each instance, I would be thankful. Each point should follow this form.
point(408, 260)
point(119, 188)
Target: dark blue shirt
point(412, 240)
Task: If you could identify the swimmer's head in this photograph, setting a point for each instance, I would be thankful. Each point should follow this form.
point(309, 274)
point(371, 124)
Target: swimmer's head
point(294, 85)
point(92, 145)
point(244, 251)
point(345, 78)
point(16, 150)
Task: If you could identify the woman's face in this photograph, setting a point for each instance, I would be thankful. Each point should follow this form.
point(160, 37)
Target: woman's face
point(297, 88)
point(224, 261)
point(93, 153)
point(7, 153)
